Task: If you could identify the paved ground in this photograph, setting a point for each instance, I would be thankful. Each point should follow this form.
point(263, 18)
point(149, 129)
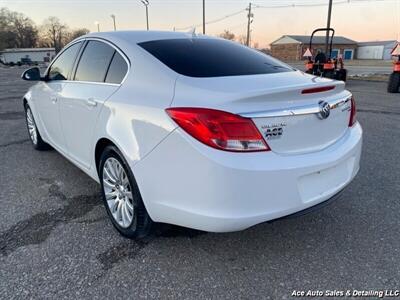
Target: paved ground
point(56, 241)
point(356, 69)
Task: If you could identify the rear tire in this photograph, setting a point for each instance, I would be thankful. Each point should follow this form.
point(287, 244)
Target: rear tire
point(121, 195)
point(342, 75)
point(33, 132)
point(329, 74)
point(394, 82)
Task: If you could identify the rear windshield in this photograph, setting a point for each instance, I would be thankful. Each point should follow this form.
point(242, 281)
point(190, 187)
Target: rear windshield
point(200, 57)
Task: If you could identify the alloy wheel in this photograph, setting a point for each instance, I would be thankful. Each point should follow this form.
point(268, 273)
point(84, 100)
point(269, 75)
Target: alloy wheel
point(118, 192)
point(31, 126)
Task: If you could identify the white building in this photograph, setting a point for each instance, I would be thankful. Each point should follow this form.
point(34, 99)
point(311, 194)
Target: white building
point(375, 50)
point(22, 55)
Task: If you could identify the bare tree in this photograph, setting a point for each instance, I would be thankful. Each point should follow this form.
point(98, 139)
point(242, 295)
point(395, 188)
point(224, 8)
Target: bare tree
point(242, 39)
point(76, 33)
point(54, 33)
point(16, 30)
point(6, 35)
point(227, 35)
point(25, 30)
point(19, 31)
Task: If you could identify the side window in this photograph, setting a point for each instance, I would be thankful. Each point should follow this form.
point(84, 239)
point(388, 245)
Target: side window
point(94, 62)
point(117, 69)
point(60, 69)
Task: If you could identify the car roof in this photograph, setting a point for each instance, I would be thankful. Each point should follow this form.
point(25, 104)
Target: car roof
point(139, 36)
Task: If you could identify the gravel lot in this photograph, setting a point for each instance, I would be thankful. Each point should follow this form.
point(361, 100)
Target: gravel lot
point(56, 241)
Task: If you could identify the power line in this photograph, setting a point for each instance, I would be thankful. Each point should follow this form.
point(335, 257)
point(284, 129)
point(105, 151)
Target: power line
point(316, 4)
point(212, 21)
point(291, 4)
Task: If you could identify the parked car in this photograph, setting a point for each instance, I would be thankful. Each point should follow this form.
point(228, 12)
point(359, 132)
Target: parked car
point(193, 130)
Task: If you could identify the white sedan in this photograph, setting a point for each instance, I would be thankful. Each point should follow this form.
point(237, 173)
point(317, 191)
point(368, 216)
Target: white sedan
point(193, 130)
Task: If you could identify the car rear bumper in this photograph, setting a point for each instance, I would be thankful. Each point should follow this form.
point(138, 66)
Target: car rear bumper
point(186, 183)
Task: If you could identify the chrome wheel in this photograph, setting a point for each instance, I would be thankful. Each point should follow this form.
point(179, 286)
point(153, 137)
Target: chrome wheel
point(31, 126)
point(118, 192)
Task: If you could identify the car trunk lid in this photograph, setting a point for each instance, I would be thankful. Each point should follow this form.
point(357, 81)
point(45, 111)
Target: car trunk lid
point(285, 107)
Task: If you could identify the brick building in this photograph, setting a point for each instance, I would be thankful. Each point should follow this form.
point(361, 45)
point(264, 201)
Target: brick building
point(292, 47)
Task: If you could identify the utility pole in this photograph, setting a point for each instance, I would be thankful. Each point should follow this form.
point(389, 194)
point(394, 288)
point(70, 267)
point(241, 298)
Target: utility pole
point(146, 4)
point(249, 21)
point(204, 16)
point(98, 26)
point(328, 25)
point(147, 17)
point(115, 26)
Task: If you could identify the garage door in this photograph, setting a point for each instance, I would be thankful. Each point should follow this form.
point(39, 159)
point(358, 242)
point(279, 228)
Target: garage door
point(348, 54)
point(370, 52)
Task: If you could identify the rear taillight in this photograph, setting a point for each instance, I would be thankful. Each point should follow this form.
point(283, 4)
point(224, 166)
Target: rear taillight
point(353, 112)
point(219, 129)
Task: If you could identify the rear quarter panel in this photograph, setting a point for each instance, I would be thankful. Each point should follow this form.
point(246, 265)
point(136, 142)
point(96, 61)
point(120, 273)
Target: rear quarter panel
point(134, 117)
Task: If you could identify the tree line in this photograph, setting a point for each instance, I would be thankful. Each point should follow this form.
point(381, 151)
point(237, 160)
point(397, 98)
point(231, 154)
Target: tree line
point(19, 31)
point(228, 35)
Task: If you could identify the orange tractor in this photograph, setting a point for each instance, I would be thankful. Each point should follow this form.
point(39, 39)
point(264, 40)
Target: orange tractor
point(322, 64)
point(394, 78)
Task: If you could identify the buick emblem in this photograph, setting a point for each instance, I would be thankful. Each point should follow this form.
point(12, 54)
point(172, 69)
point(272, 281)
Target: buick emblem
point(324, 110)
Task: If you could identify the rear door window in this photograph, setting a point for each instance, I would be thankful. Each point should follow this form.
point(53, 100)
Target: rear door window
point(62, 66)
point(117, 69)
point(94, 62)
point(205, 57)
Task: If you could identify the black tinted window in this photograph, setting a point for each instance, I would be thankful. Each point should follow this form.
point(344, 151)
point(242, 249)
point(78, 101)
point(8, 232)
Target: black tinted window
point(199, 57)
point(60, 69)
point(94, 62)
point(117, 70)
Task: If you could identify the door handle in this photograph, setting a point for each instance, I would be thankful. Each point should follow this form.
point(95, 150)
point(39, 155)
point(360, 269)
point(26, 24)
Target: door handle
point(91, 102)
point(54, 100)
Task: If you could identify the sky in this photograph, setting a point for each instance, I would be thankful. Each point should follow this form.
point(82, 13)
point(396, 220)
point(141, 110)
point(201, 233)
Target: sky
point(360, 20)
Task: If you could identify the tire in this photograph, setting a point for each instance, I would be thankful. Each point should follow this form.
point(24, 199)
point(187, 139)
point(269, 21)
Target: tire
point(394, 82)
point(342, 75)
point(328, 74)
point(121, 195)
point(33, 132)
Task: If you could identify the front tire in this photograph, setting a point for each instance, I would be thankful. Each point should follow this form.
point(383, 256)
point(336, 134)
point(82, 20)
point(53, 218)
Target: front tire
point(121, 195)
point(34, 135)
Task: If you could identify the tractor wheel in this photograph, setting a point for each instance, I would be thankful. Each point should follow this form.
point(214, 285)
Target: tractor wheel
point(342, 75)
point(394, 82)
point(329, 74)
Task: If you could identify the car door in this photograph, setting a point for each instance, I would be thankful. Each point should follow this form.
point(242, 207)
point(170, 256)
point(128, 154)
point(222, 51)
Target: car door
point(99, 72)
point(51, 90)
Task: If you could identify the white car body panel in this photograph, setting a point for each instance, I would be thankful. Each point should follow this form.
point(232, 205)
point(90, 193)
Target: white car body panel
point(222, 191)
point(46, 95)
point(275, 93)
point(183, 181)
point(80, 105)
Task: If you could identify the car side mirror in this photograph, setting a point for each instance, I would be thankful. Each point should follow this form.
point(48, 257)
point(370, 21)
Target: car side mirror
point(32, 74)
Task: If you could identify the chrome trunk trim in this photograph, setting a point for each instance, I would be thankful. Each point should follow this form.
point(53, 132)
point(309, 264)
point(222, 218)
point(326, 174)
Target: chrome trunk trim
point(295, 110)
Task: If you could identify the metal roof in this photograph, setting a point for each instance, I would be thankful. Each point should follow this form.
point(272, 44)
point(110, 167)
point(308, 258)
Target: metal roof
point(391, 43)
point(319, 39)
point(14, 50)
